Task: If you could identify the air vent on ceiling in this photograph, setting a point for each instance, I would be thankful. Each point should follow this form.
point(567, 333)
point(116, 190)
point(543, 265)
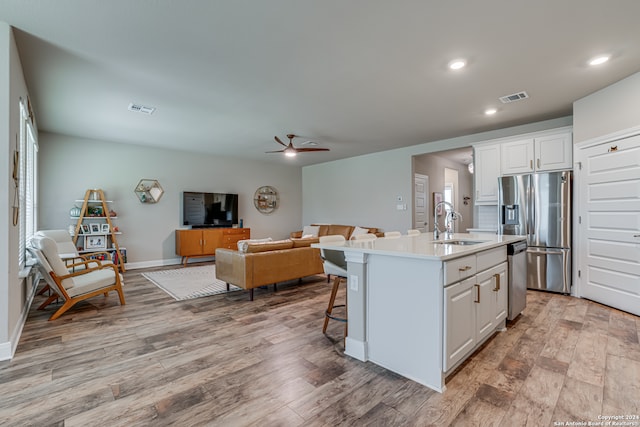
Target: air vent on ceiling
point(513, 97)
point(141, 109)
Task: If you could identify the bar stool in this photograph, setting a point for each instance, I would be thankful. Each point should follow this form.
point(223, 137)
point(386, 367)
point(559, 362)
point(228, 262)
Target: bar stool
point(392, 234)
point(334, 262)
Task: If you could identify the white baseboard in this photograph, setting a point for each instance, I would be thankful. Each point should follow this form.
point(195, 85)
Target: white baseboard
point(8, 349)
point(356, 349)
point(5, 351)
point(152, 263)
point(162, 262)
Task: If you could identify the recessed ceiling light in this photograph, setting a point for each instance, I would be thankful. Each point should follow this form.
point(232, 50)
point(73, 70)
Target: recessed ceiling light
point(490, 111)
point(456, 64)
point(599, 60)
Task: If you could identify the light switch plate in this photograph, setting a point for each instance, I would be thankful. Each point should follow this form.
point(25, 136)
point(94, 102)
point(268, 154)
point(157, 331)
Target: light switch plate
point(353, 282)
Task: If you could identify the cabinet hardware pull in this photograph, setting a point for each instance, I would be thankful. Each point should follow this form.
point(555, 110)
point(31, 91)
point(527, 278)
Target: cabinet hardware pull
point(636, 235)
point(538, 162)
point(613, 148)
point(477, 292)
point(465, 268)
point(531, 164)
point(497, 288)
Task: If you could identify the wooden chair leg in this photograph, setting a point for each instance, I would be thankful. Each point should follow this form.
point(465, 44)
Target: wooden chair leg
point(332, 300)
point(228, 287)
point(44, 289)
point(275, 287)
point(49, 300)
point(251, 294)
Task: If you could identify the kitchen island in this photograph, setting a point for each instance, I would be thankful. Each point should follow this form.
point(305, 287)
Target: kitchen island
point(418, 306)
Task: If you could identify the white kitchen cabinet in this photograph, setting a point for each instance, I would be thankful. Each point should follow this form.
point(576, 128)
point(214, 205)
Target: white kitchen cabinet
point(476, 306)
point(539, 154)
point(460, 321)
point(554, 152)
point(517, 157)
point(487, 171)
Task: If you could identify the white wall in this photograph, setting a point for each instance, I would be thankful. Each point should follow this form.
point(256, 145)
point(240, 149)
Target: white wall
point(608, 110)
point(13, 291)
point(69, 166)
point(363, 190)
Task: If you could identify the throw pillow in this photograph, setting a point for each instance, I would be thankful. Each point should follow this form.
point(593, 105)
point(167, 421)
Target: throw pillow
point(310, 231)
point(243, 244)
point(358, 231)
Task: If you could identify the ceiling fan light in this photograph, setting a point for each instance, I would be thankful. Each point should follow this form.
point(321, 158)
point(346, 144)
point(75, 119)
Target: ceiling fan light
point(599, 60)
point(289, 153)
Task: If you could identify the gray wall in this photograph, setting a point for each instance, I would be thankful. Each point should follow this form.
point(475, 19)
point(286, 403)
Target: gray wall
point(13, 290)
point(69, 166)
point(612, 109)
point(363, 190)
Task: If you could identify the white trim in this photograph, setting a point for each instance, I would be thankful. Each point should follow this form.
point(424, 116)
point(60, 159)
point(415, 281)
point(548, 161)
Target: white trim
point(153, 263)
point(5, 351)
point(8, 349)
point(356, 349)
point(528, 135)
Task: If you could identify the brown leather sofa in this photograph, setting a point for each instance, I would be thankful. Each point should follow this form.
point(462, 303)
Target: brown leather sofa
point(268, 263)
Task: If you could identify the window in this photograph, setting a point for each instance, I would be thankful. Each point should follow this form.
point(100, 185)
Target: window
point(27, 183)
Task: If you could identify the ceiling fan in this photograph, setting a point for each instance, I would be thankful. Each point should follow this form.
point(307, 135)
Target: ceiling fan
point(290, 150)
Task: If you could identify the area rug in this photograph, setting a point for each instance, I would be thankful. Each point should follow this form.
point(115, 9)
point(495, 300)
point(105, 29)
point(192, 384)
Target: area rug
point(189, 282)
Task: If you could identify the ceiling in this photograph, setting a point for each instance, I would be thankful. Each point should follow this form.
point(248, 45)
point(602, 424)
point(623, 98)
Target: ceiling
point(356, 76)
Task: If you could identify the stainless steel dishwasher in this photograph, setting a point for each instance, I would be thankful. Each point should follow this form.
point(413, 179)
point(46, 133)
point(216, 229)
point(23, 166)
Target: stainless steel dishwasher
point(516, 254)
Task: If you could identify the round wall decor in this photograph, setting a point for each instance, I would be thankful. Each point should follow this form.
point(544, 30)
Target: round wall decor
point(265, 199)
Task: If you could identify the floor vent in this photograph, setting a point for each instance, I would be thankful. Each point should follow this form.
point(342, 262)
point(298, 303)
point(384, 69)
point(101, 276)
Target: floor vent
point(513, 97)
point(141, 109)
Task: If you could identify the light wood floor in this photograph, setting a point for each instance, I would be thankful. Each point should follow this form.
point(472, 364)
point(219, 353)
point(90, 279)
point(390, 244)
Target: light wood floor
point(224, 360)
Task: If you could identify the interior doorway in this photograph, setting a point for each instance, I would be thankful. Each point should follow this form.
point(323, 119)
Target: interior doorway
point(421, 202)
point(433, 165)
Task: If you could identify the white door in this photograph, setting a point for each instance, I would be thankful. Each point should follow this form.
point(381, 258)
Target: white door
point(421, 202)
point(609, 223)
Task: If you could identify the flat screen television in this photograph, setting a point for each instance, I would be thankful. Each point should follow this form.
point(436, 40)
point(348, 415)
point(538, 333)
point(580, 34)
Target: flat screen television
point(201, 210)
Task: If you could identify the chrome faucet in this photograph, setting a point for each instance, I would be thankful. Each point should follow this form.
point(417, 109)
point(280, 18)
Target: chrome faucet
point(452, 215)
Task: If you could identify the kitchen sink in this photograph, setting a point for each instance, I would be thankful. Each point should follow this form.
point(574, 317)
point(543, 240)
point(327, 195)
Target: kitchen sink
point(460, 242)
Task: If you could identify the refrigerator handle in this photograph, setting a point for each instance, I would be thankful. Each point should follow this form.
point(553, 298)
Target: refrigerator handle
point(530, 210)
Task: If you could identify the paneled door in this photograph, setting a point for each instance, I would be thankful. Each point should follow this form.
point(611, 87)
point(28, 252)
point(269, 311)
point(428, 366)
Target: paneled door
point(421, 202)
point(608, 183)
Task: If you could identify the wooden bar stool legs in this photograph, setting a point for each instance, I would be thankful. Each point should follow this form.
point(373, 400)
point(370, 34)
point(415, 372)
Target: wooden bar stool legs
point(332, 304)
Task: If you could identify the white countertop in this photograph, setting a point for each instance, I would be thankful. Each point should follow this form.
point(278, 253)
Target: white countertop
point(424, 246)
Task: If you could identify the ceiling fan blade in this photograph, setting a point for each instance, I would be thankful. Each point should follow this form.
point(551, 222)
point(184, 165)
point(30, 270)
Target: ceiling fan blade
point(280, 142)
point(278, 151)
point(311, 149)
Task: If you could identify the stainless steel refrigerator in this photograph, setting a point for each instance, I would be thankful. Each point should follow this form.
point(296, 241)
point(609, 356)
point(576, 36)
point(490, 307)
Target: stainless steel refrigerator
point(539, 206)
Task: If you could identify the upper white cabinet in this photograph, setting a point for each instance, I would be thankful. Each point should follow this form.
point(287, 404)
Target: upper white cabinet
point(487, 171)
point(544, 153)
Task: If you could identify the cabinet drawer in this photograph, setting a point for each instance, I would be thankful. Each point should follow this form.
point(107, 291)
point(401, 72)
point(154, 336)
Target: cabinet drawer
point(236, 231)
point(489, 258)
point(234, 238)
point(458, 269)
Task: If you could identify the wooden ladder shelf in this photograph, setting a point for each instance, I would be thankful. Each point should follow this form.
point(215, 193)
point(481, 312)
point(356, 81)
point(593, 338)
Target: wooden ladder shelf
point(119, 260)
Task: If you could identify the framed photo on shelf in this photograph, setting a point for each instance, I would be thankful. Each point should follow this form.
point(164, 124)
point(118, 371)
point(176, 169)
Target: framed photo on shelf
point(95, 242)
point(104, 228)
point(95, 228)
point(85, 229)
point(437, 198)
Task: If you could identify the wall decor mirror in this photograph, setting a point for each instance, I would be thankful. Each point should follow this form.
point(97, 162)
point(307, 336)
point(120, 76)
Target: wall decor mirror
point(265, 199)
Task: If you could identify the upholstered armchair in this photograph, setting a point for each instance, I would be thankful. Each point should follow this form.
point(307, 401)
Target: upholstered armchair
point(73, 282)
